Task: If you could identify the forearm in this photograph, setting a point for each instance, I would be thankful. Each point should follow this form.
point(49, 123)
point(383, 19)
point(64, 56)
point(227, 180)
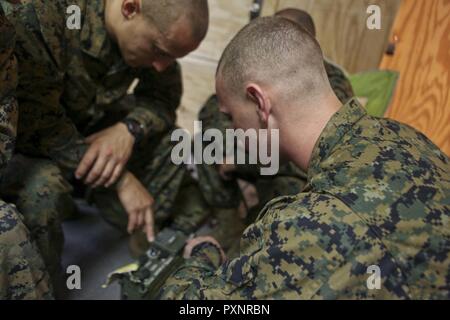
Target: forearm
point(66, 147)
point(187, 282)
point(152, 117)
point(157, 95)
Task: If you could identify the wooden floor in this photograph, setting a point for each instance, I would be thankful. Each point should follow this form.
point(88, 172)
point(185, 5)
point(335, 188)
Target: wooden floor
point(422, 57)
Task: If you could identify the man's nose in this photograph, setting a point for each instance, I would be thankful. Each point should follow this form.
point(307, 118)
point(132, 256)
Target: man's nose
point(160, 66)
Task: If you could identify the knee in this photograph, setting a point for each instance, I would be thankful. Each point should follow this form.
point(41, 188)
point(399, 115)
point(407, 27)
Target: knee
point(12, 230)
point(45, 194)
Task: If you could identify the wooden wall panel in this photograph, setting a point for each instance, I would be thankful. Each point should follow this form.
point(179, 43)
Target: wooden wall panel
point(342, 32)
point(227, 17)
point(199, 84)
point(341, 28)
point(422, 57)
point(270, 7)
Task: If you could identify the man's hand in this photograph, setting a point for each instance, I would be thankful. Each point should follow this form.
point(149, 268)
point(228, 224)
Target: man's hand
point(137, 203)
point(199, 240)
point(108, 154)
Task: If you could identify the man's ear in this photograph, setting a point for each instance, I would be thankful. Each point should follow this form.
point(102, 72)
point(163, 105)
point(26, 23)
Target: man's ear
point(130, 8)
point(261, 100)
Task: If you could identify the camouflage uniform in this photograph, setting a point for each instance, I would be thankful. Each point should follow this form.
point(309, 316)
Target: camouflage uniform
point(289, 181)
point(74, 83)
point(22, 271)
point(339, 82)
point(378, 193)
point(225, 195)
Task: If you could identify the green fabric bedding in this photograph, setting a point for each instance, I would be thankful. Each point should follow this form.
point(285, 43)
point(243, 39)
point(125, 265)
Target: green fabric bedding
point(377, 87)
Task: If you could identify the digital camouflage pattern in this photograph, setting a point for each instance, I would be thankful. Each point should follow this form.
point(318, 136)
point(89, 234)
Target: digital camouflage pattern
point(22, 271)
point(290, 180)
point(69, 79)
point(8, 84)
point(339, 82)
point(223, 195)
point(42, 195)
point(378, 193)
point(74, 83)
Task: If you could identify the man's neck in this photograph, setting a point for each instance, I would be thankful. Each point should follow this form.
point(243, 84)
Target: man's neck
point(302, 137)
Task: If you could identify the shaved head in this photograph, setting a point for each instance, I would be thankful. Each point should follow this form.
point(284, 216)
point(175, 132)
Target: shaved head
point(165, 13)
point(300, 17)
point(277, 53)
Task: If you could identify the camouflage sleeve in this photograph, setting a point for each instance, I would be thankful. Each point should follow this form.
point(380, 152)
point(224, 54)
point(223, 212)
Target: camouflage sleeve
point(8, 83)
point(287, 254)
point(46, 130)
point(158, 95)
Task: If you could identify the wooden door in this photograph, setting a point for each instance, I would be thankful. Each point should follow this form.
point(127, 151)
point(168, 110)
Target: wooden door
point(422, 56)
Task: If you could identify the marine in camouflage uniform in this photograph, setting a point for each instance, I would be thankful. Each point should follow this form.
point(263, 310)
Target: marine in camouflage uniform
point(377, 193)
point(74, 83)
point(22, 271)
point(223, 196)
point(289, 180)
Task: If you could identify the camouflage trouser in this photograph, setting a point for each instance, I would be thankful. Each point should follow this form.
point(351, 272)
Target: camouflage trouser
point(22, 271)
point(44, 196)
point(289, 180)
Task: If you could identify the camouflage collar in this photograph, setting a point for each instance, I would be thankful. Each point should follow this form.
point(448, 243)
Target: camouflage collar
point(94, 36)
point(338, 126)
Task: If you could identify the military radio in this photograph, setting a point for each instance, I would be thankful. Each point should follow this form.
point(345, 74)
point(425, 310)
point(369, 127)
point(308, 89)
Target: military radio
point(142, 280)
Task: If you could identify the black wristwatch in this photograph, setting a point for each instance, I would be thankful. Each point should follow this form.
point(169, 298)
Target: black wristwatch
point(135, 128)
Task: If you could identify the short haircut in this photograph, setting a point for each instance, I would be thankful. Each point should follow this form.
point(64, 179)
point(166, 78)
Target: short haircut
point(165, 13)
point(300, 17)
point(276, 52)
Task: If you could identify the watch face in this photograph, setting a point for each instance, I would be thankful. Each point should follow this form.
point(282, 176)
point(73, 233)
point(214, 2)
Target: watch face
point(135, 128)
